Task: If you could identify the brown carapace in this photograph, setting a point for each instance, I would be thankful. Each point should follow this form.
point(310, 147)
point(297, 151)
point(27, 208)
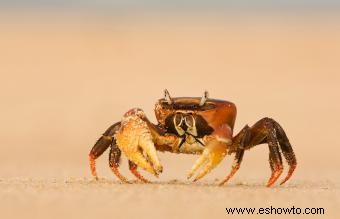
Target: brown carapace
point(191, 125)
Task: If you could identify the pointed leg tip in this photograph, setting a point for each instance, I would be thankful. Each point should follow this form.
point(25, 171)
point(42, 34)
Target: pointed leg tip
point(271, 182)
point(269, 185)
point(285, 179)
point(283, 182)
point(197, 178)
point(275, 175)
point(289, 175)
point(222, 183)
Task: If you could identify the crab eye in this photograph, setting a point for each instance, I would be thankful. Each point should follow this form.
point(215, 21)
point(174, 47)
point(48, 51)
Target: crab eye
point(204, 98)
point(167, 97)
point(178, 119)
point(189, 120)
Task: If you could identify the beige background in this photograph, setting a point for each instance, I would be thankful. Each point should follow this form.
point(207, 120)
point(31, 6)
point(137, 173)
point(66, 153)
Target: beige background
point(66, 77)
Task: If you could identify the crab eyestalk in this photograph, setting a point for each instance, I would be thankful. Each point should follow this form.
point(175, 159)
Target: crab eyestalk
point(167, 97)
point(204, 98)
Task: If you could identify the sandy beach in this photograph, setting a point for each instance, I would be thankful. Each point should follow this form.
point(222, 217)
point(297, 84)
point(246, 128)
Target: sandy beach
point(66, 78)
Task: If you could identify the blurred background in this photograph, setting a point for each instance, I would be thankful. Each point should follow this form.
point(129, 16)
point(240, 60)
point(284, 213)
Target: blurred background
point(69, 69)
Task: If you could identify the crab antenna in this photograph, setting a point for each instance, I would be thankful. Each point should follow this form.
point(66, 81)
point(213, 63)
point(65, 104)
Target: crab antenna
point(167, 96)
point(204, 98)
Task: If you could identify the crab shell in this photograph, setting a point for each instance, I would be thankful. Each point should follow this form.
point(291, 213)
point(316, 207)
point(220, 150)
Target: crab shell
point(219, 114)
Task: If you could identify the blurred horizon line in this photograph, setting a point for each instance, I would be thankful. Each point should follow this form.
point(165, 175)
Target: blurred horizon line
point(172, 6)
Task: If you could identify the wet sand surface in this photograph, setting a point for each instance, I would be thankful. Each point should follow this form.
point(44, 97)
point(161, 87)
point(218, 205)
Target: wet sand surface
point(66, 78)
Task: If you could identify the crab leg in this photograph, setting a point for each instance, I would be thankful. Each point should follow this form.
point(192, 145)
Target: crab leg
point(134, 171)
point(266, 131)
point(114, 158)
point(287, 151)
point(238, 145)
point(235, 167)
point(101, 145)
point(275, 159)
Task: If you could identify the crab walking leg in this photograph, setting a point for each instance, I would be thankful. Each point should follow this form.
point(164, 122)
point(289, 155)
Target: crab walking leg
point(287, 151)
point(98, 149)
point(134, 171)
point(268, 131)
point(238, 144)
point(101, 145)
point(114, 158)
point(264, 131)
point(235, 167)
point(275, 160)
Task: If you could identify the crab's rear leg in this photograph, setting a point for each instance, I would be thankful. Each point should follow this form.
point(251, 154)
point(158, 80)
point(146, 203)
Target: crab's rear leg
point(265, 131)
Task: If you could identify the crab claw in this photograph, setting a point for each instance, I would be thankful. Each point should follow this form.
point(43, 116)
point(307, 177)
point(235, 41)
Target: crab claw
point(216, 149)
point(210, 158)
point(135, 140)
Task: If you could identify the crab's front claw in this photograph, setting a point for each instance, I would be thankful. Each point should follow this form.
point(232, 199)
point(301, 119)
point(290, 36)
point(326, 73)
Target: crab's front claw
point(135, 140)
point(210, 158)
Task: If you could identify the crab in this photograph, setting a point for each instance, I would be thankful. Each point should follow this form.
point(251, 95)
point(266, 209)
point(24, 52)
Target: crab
point(190, 125)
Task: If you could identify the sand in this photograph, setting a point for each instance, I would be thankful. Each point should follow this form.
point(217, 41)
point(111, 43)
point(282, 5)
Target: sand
point(66, 77)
